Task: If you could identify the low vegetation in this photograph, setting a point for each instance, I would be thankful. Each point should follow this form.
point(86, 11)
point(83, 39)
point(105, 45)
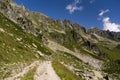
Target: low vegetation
point(112, 67)
point(29, 75)
point(22, 42)
point(16, 46)
point(63, 72)
point(112, 53)
point(69, 60)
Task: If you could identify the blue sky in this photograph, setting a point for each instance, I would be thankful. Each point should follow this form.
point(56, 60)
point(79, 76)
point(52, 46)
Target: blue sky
point(104, 14)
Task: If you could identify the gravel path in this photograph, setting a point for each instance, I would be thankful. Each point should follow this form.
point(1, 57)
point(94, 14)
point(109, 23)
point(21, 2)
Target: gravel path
point(45, 71)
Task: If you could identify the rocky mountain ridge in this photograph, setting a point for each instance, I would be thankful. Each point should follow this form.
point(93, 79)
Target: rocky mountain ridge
point(87, 54)
point(22, 16)
point(108, 34)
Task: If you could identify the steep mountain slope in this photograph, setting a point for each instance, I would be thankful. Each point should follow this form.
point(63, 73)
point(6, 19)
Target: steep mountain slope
point(75, 53)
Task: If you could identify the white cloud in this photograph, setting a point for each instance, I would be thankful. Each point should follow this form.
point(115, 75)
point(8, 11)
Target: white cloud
point(108, 25)
point(103, 12)
point(73, 7)
point(92, 1)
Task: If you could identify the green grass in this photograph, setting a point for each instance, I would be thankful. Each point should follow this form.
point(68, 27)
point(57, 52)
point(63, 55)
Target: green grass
point(8, 43)
point(7, 54)
point(14, 51)
point(112, 54)
point(66, 40)
point(63, 72)
point(118, 46)
point(70, 41)
point(112, 67)
point(90, 54)
point(29, 75)
point(69, 60)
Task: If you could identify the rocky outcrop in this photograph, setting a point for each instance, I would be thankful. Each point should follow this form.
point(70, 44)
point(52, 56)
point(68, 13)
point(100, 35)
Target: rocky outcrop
point(108, 34)
point(17, 14)
point(94, 49)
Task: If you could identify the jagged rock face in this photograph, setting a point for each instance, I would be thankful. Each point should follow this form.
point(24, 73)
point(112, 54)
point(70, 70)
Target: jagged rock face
point(108, 34)
point(42, 18)
point(73, 26)
point(60, 23)
point(31, 20)
point(76, 36)
point(79, 28)
point(71, 37)
point(92, 47)
point(67, 24)
point(18, 14)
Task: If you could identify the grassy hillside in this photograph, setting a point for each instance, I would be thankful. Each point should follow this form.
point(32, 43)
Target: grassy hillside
point(17, 46)
point(112, 53)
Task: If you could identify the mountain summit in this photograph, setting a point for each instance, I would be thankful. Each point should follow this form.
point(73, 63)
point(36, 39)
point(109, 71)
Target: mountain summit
point(33, 46)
